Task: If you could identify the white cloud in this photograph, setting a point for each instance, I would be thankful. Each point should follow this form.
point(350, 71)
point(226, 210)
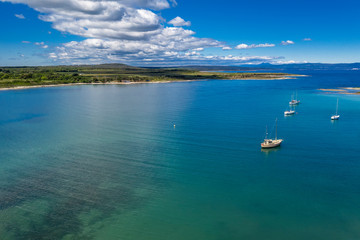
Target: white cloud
point(39, 43)
point(128, 31)
point(288, 62)
point(242, 46)
point(25, 42)
point(130, 19)
point(179, 22)
point(287, 42)
point(98, 50)
point(20, 16)
point(307, 39)
point(169, 41)
point(124, 23)
point(91, 6)
point(125, 29)
point(246, 46)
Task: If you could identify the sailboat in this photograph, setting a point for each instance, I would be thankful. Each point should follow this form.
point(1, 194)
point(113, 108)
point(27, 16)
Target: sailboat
point(271, 143)
point(336, 116)
point(294, 101)
point(290, 112)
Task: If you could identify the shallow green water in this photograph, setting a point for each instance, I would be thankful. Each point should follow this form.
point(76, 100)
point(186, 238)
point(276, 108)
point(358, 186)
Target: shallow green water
point(106, 162)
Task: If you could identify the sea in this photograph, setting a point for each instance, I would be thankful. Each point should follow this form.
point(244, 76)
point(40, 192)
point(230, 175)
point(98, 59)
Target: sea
point(182, 160)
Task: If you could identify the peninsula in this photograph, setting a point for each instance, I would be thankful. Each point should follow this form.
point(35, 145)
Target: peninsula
point(16, 77)
point(344, 90)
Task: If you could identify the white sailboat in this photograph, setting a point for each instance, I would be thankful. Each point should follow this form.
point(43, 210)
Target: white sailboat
point(271, 143)
point(289, 112)
point(294, 101)
point(336, 116)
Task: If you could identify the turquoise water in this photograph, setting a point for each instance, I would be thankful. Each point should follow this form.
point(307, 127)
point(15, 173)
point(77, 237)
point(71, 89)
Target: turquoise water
point(106, 162)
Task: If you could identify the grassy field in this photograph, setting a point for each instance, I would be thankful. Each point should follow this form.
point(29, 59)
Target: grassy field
point(107, 73)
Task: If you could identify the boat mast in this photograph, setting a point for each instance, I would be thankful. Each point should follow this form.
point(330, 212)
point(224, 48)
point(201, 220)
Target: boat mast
point(276, 129)
point(337, 106)
point(266, 134)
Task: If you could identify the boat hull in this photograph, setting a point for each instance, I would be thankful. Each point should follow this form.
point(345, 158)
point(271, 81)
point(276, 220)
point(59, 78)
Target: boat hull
point(273, 144)
point(335, 117)
point(287, 113)
point(294, 102)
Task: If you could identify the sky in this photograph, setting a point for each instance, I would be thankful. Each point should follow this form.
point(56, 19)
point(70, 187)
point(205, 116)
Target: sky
point(178, 32)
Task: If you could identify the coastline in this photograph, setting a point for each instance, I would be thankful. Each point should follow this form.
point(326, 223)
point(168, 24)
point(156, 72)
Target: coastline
point(142, 82)
point(344, 90)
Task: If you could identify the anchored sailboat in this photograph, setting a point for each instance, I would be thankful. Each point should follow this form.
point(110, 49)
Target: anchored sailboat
point(290, 112)
point(336, 116)
point(271, 143)
point(294, 101)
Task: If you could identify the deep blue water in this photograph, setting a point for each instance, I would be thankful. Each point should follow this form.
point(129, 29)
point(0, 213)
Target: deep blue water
point(107, 162)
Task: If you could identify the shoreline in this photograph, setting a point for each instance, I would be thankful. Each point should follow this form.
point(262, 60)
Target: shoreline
point(344, 90)
point(130, 83)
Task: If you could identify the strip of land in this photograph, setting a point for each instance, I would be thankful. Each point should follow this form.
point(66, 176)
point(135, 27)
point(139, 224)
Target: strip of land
point(26, 77)
point(346, 90)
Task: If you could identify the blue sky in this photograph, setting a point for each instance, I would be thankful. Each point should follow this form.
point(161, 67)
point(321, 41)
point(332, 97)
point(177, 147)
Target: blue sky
point(181, 32)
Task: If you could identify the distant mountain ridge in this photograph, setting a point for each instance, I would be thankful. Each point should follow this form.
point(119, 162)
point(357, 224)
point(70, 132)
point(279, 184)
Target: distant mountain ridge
point(313, 66)
point(265, 66)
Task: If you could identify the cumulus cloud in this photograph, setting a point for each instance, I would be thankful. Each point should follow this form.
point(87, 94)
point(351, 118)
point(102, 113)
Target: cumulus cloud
point(131, 19)
point(128, 31)
point(93, 50)
point(117, 29)
point(288, 62)
point(246, 46)
point(170, 42)
point(287, 42)
point(41, 44)
point(91, 6)
point(146, 53)
point(20, 16)
point(179, 22)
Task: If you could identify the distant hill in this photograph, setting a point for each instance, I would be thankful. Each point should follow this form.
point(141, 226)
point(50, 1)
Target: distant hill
point(312, 66)
point(221, 68)
point(280, 67)
point(263, 66)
